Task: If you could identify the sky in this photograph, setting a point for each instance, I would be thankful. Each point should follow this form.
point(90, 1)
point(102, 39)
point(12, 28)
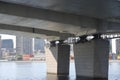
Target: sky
point(113, 45)
point(5, 36)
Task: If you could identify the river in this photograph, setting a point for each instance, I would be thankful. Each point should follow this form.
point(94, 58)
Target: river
point(37, 71)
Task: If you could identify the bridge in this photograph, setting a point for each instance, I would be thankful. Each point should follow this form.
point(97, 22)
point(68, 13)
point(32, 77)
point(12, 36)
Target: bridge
point(61, 19)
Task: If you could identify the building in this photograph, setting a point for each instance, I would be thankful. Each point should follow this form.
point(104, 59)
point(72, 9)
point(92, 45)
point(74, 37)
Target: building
point(19, 44)
point(39, 44)
point(27, 45)
point(24, 45)
point(7, 44)
point(118, 46)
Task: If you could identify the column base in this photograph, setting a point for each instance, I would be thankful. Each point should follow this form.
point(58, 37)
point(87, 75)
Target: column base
point(51, 73)
point(58, 74)
point(89, 78)
point(63, 74)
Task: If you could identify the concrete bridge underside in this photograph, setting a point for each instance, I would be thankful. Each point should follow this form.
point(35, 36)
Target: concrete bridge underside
point(59, 19)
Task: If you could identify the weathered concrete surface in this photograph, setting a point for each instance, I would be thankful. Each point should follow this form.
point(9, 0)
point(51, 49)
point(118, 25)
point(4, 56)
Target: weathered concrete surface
point(32, 30)
point(32, 35)
point(89, 16)
point(93, 8)
point(45, 19)
point(51, 60)
point(91, 59)
point(57, 59)
point(63, 59)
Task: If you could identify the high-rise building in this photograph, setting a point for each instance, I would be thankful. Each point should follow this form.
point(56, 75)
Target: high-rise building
point(39, 44)
point(19, 44)
point(7, 44)
point(117, 46)
point(110, 46)
point(24, 45)
point(27, 45)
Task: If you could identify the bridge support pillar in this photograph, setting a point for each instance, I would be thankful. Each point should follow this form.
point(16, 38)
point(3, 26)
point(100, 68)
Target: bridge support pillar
point(57, 58)
point(91, 59)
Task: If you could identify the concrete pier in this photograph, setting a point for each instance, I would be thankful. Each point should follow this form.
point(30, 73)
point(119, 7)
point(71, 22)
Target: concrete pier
point(91, 59)
point(57, 58)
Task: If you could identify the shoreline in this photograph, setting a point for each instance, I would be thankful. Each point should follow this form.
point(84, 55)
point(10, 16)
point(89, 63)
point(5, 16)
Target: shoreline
point(45, 61)
point(114, 61)
point(22, 61)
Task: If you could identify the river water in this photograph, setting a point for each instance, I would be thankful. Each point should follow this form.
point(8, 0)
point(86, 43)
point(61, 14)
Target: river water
point(37, 71)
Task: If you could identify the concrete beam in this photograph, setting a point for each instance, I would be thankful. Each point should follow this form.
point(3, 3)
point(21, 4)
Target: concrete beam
point(31, 35)
point(94, 8)
point(108, 26)
point(44, 14)
point(80, 24)
point(33, 30)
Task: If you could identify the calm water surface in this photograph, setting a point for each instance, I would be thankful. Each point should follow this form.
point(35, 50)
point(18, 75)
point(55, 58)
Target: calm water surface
point(37, 71)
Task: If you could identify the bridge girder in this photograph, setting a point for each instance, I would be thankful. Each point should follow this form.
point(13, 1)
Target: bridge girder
point(15, 14)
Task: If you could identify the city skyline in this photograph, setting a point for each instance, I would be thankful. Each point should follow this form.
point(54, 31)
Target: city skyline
point(13, 37)
point(7, 36)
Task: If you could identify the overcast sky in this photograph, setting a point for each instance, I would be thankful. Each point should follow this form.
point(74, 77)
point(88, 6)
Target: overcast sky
point(113, 45)
point(5, 36)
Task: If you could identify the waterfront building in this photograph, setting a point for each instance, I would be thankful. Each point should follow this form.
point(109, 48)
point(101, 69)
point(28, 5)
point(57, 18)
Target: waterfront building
point(39, 44)
point(24, 45)
point(19, 45)
point(7, 44)
point(27, 45)
point(118, 46)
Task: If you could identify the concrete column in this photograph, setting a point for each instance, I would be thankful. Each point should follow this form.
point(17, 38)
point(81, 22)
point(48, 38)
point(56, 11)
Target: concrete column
point(91, 59)
point(57, 58)
point(51, 60)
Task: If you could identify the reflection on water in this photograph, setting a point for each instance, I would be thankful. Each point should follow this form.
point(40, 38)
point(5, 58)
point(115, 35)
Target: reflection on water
point(114, 71)
point(22, 71)
point(37, 71)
